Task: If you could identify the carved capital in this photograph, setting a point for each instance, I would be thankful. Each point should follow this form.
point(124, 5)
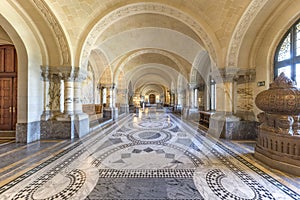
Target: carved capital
point(80, 74)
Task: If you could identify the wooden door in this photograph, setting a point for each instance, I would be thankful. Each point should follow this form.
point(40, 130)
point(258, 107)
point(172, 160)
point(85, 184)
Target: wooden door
point(152, 98)
point(8, 87)
point(6, 104)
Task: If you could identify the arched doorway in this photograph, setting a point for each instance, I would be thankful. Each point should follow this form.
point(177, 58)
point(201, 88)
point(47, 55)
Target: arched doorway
point(152, 98)
point(8, 88)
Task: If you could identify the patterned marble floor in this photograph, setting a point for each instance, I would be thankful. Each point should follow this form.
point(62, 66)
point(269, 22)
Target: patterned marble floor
point(149, 155)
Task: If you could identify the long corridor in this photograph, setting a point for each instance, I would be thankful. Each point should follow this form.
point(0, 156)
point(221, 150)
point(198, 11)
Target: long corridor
point(147, 155)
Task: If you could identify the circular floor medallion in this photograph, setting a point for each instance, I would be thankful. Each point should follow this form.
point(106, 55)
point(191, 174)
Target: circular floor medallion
point(149, 136)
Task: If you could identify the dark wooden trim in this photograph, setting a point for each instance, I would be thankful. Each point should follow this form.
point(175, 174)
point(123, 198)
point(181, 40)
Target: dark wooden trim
point(8, 74)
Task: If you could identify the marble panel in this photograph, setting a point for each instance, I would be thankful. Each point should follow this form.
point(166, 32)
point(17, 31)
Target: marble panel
point(153, 155)
point(54, 129)
point(28, 132)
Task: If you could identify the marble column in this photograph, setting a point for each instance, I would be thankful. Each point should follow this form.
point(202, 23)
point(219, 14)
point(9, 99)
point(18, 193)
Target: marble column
point(109, 96)
point(192, 113)
point(180, 100)
point(79, 77)
point(196, 98)
point(81, 120)
point(100, 90)
point(68, 93)
point(110, 111)
point(60, 125)
point(46, 109)
point(224, 123)
point(124, 107)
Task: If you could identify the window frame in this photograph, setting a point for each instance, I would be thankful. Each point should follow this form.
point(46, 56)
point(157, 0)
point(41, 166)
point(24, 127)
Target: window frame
point(293, 60)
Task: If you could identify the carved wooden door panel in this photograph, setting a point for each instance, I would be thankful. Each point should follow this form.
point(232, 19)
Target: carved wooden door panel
point(6, 104)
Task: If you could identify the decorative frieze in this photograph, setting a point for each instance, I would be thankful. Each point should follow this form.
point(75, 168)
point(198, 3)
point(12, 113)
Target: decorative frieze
point(231, 74)
point(57, 30)
point(242, 27)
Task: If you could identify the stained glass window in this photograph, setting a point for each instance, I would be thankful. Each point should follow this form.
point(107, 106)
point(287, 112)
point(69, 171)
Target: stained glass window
point(285, 49)
point(298, 39)
point(287, 56)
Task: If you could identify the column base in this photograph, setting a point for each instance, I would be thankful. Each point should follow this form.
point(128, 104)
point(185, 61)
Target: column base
point(110, 113)
point(81, 122)
point(124, 109)
point(65, 126)
point(190, 113)
point(228, 126)
point(28, 132)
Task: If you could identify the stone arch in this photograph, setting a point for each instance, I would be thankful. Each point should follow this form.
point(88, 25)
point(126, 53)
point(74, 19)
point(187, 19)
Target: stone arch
point(16, 23)
point(206, 35)
point(148, 38)
point(61, 49)
point(144, 51)
point(99, 63)
point(239, 33)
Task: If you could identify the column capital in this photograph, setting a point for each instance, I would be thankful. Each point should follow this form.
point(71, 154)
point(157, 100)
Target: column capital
point(191, 86)
point(80, 74)
point(227, 74)
point(107, 85)
point(246, 75)
point(45, 73)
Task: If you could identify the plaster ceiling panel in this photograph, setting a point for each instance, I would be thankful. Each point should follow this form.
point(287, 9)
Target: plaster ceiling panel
point(150, 79)
point(79, 15)
point(152, 68)
point(150, 37)
point(150, 58)
point(149, 20)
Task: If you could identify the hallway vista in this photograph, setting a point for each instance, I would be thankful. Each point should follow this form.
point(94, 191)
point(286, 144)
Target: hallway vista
point(146, 155)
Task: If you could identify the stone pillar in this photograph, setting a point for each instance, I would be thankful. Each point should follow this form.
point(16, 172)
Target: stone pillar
point(79, 77)
point(68, 78)
point(100, 89)
point(46, 109)
point(110, 111)
point(196, 98)
point(109, 96)
point(192, 94)
point(124, 107)
point(60, 125)
point(81, 120)
point(192, 111)
point(180, 100)
point(224, 123)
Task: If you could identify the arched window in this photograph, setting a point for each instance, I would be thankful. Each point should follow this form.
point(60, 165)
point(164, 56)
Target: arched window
point(287, 56)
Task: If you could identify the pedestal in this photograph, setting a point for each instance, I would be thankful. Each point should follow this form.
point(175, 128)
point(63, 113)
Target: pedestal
point(110, 113)
point(227, 126)
point(124, 109)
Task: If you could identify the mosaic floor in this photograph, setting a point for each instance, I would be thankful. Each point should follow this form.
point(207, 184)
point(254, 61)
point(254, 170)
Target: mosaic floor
point(150, 155)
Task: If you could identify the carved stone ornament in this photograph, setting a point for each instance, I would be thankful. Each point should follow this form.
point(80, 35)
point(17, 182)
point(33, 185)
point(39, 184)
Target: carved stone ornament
point(281, 98)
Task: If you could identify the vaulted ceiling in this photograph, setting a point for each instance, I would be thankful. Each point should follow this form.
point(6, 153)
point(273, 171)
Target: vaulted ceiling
point(150, 42)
